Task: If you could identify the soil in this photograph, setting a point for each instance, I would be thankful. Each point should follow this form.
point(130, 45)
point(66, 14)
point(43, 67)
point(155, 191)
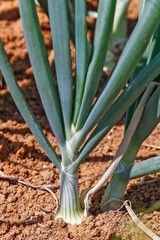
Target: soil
point(22, 214)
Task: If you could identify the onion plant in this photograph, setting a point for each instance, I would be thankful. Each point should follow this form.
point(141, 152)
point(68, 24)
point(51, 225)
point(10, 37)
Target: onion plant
point(70, 109)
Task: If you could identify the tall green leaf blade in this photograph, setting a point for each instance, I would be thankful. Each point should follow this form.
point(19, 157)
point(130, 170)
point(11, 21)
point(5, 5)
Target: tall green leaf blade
point(24, 108)
point(120, 106)
point(81, 54)
point(41, 68)
point(131, 55)
point(102, 34)
point(58, 14)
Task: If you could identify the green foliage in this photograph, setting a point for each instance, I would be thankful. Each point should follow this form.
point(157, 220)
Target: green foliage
point(70, 109)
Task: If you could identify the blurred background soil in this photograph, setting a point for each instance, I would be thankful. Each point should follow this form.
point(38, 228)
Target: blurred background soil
point(21, 208)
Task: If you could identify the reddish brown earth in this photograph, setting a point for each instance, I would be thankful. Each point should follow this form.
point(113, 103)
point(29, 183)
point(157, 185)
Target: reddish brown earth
point(21, 208)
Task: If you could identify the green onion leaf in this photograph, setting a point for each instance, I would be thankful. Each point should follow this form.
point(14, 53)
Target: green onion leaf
point(81, 54)
point(41, 68)
point(58, 15)
point(24, 108)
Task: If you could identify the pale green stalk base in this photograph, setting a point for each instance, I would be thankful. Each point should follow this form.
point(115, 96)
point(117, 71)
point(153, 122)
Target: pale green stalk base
point(73, 219)
point(70, 209)
point(117, 186)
